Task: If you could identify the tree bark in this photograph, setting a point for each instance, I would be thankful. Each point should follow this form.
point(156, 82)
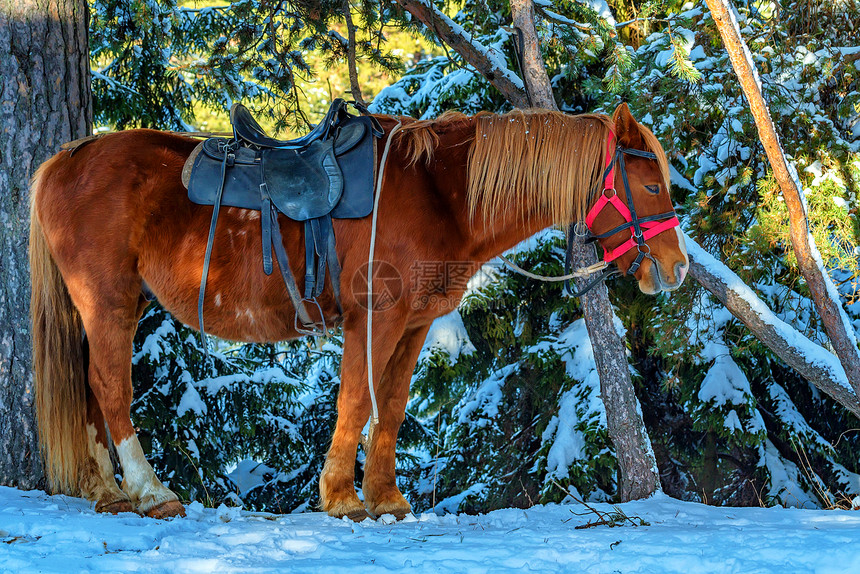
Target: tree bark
point(476, 54)
point(46, 100)
point(639, 474)
point(810, 360)
point(354, 86)
point(534, 73)
point(824, 294)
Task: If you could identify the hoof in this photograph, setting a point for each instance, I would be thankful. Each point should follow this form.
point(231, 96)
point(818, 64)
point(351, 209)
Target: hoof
point(401, 514)
point(400, 509)
point(167, 509)
point(115, 507)
point(359, 515)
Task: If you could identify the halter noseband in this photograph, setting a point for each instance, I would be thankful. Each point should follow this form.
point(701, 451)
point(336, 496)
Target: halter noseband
point(643, 228)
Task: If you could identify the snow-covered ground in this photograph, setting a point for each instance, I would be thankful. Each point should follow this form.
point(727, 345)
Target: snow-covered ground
point(40, 533)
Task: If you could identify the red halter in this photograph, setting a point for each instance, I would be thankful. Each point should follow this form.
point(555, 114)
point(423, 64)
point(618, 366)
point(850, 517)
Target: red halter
point(642, 228)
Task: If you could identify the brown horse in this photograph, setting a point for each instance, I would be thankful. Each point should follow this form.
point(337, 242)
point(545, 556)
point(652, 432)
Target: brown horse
point(114, 216)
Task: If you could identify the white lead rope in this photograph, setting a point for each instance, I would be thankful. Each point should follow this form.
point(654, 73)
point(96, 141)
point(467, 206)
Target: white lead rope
point(581, 272)
point(374, 409)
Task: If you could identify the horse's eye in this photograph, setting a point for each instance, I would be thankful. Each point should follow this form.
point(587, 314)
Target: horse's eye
point(655, 189)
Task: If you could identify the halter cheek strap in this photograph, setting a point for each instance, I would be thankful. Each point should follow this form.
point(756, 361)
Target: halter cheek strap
point(642, 228)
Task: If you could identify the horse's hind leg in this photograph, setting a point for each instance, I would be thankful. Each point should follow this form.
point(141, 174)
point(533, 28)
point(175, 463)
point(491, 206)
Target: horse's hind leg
point(381, 495)
point(110, 331)
point(98, 482)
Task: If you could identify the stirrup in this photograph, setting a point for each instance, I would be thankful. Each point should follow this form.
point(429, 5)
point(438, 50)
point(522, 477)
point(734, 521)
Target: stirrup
point(316, 329)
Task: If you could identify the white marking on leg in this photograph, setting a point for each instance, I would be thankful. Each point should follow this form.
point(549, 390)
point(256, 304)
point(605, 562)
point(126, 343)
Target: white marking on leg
point(107, 491)
point(102, 457)
point(138, 478)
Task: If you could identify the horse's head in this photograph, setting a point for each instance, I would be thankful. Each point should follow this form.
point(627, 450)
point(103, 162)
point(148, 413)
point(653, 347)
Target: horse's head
point(633, 218)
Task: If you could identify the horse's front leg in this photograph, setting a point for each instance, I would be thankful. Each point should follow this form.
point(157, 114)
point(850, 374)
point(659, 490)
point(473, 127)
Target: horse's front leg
point(337, 481)
point(381, 495)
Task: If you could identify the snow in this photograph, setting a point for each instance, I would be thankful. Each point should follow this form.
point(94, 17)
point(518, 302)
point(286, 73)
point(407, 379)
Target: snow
point(602, 9)
point(579, 406)
point(815, 354)
point(725, 383)
point(41, 533)
point(250, 474)
point(191, 401)
point(784, 478)
point(447, 335)
point(487, 397)
point(493, 55)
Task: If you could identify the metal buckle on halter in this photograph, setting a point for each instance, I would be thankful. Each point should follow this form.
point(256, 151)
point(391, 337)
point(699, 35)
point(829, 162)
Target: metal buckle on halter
point(612, 189)
point(581, 230)
point(639, 247)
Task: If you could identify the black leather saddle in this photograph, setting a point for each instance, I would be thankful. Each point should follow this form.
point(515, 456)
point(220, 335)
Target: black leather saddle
point(328, 173)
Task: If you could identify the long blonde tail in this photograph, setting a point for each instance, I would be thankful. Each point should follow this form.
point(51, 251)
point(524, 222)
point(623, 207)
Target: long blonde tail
point(58, 360)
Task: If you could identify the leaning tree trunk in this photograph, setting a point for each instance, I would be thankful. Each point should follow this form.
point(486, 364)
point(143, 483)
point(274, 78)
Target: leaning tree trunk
point(815, 363)
point(824, 293)
point(636, 461)
point(46, 100)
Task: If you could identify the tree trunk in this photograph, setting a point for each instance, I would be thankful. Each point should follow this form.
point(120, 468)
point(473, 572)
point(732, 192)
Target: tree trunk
point(354, 86)
point(824, 293)
point(46, 100)
point(814, 363)
point(639, 475)
point(534, 73)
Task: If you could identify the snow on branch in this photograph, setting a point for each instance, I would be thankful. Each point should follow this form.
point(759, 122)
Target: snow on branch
point(488, 62)
point(815, 363)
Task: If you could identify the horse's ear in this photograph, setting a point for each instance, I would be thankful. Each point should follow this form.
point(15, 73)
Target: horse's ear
point(626, 127)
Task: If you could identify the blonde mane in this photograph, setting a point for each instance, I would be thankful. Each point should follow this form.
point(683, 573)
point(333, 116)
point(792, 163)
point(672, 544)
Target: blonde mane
point(556, 158)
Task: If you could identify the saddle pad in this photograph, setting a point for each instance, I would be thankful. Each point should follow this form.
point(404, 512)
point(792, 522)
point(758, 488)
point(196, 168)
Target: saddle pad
point(354, 150)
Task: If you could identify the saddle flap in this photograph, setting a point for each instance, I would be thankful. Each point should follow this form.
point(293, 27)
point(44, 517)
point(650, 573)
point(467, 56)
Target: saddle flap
point(241, 180)
point(348, 137)
point(303, 184)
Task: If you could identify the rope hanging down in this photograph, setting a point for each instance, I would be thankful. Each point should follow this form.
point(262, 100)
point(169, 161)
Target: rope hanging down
point(374, 419)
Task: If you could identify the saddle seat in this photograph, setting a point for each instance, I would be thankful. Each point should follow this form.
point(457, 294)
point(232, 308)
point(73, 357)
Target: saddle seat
point(246, 128)
point(327, 173)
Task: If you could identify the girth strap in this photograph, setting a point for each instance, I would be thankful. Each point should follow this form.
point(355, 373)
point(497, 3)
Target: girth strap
point(318, 232)
point(287, 275)
point(216, 208)
point(310, 251)
point(334, 267)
